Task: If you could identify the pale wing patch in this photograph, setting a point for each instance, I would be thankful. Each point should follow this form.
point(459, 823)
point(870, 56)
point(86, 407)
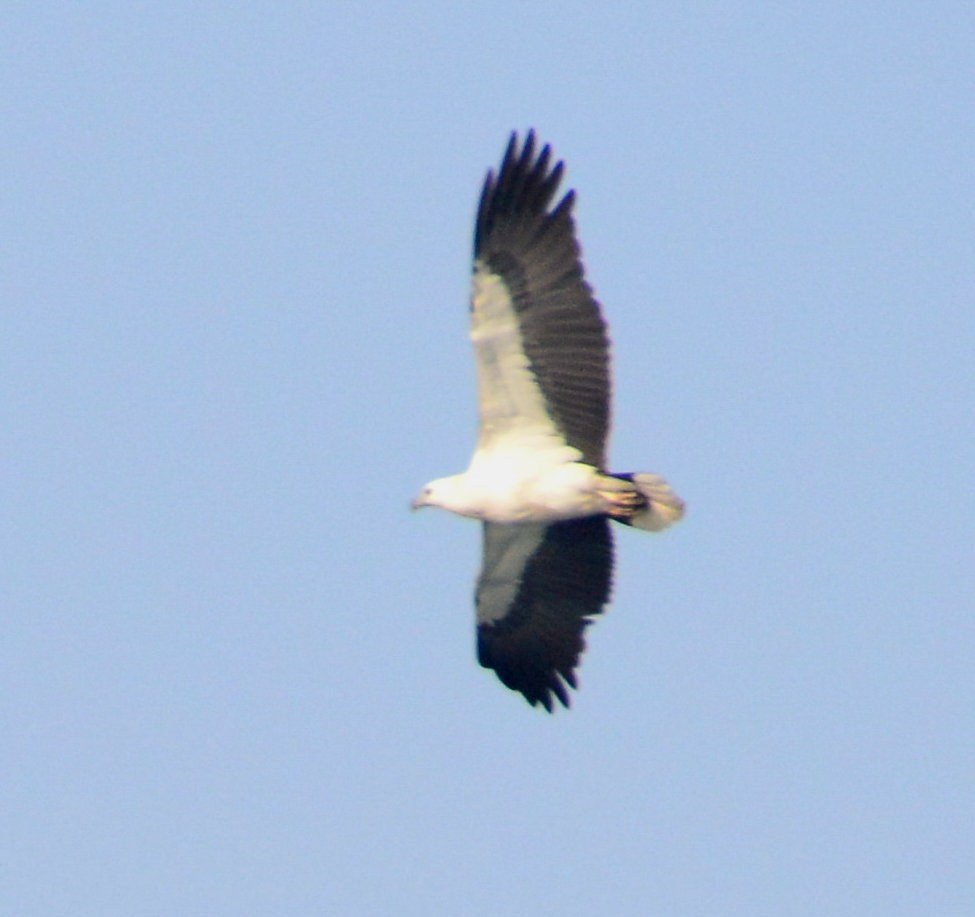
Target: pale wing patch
point(506, 552)
point(510, 400)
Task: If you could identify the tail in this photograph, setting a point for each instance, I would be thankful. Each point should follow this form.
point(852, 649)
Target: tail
point(656, 506)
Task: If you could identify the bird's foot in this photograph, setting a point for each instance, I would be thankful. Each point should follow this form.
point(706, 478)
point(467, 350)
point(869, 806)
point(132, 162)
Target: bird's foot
point(622, 504)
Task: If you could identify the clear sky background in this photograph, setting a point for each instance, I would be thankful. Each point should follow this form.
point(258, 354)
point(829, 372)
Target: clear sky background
point(237, 676)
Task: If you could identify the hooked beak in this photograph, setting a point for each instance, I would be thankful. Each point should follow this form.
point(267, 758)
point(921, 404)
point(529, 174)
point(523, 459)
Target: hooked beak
point(422, 498)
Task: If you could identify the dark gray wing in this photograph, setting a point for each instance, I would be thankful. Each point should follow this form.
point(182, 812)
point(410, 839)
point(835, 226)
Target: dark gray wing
point(530, 247)
point(539, 587)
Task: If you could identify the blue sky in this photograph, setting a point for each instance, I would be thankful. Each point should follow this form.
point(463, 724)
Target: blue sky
point(237, 675)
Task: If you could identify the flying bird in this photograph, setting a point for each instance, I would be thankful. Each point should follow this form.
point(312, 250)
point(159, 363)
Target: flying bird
point(538, 480)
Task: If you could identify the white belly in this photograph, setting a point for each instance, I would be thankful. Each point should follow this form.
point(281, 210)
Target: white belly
point(514, 491)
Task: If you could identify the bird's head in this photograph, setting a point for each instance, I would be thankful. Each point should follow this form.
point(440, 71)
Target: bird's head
point(448, 493)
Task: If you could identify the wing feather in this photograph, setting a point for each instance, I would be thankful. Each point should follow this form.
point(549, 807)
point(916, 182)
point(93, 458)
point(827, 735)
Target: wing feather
point(537, 329)
point(538, 590)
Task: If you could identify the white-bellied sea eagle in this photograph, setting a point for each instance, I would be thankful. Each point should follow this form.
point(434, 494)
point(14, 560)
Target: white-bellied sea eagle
point(538, 480)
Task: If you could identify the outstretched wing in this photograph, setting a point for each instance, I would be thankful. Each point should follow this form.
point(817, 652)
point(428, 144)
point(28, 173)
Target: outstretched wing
point(540, 341)
point(539, 587)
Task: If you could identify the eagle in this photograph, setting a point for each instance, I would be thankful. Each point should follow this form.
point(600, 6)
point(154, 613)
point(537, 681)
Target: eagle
point(537, 480)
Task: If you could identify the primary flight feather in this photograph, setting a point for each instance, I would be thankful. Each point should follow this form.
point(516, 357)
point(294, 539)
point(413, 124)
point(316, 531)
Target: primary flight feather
point(537, 478)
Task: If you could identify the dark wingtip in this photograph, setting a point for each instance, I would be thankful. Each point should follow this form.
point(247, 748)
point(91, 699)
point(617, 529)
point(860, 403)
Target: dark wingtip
point(543, 695)
point(523, 187)
point(509, 151)
point(544, 700)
